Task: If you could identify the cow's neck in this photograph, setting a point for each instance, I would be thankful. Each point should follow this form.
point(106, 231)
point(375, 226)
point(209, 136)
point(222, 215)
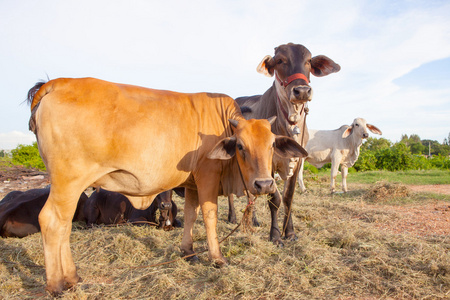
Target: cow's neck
point(290, 122)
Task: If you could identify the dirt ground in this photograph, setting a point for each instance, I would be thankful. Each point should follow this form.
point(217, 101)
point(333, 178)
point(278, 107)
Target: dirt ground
point(434, 188)
point(427, 219)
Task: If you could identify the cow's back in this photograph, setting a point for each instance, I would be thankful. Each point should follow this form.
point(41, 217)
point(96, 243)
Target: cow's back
point(128, 138)
point(322, 144)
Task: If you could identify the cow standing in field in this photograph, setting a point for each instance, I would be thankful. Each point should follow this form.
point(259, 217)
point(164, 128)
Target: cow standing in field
point(338, 147)
point(291, 65)
point(141, 142)
point(106, 207)
point(19, 212)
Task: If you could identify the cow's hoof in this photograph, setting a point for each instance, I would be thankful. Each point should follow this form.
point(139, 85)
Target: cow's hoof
point(192, 259)
point(220, 262)
point(190, 256)
point(256, 223)
point(291, 237)
point(278, 243)
point(71, 283)
point(232, 219)
point(54, 291)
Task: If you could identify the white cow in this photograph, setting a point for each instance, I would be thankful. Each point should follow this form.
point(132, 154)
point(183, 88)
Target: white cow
point(340, 147)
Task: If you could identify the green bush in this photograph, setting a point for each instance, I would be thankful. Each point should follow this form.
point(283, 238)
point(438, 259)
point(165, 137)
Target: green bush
point(28, 156)
point(367, 161)
point(311, 168)
point(440, 162)
point(398, 157)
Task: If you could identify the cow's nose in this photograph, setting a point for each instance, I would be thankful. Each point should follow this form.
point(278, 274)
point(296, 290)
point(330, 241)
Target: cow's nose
point(302, 92)
point(264, 186)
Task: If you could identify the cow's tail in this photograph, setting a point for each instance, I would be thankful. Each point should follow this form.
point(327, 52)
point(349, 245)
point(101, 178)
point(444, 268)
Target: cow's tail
point(35, 95)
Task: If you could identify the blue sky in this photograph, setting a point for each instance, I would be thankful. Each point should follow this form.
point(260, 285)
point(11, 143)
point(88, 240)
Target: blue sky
point(394, 55)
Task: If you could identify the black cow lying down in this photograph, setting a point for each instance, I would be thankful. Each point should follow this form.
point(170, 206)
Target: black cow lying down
point(19, 212)
point(106, 207)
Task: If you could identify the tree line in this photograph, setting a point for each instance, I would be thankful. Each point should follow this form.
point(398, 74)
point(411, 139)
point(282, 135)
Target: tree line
point(411, 153)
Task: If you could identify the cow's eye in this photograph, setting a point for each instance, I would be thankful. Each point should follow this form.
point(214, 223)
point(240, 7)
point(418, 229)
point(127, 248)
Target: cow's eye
point(357, 125)
point(279, 62)
point(239, 146)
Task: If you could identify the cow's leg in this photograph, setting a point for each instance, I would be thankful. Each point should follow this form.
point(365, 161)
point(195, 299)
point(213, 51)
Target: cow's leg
point(344, 173)
point(336, 158)
point(175, 221)
point(300, 176)
point(231, 210)
point(207, 196)
point(191, 208)
point(288, 197)
point(55, 220)
point(274, 205)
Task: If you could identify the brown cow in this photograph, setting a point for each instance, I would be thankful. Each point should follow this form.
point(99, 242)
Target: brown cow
point(19, 212)
point(106, 207)
point(291, 65)
point(140, 142)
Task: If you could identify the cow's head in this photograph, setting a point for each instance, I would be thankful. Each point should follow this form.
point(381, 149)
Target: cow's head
point(253, 144)
point(292, 65)
point(358, 129)
point(166, 218)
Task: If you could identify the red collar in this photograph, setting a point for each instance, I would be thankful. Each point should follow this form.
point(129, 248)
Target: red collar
point(291, 78)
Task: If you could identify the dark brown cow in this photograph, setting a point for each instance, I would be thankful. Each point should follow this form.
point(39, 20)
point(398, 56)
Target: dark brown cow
point(140, 142)
point(291, 65)
point(19, 212)
point(106, 207)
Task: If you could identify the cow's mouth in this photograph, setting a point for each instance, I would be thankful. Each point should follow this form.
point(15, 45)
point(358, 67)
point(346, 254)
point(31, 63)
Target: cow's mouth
point(263, 186)
point(164, 220)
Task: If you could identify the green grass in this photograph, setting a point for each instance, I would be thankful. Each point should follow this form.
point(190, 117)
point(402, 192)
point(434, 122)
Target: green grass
point(416, 177)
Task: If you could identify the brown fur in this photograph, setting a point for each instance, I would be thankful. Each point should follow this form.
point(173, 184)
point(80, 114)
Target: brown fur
point(139, 142)
point(288, 60)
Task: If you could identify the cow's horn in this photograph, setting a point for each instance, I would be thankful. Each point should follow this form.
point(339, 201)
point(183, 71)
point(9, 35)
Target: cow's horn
point(272, 120)
point(233, 122)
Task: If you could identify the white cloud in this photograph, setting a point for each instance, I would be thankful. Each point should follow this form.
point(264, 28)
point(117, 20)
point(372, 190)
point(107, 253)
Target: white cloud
point(216, 45)
point(11, 140)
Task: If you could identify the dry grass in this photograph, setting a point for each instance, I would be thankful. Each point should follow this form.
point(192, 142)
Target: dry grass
point(383, 192)
point(341, 253)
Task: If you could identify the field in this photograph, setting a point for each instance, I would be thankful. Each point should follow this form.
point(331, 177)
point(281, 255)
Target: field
point(382, 240)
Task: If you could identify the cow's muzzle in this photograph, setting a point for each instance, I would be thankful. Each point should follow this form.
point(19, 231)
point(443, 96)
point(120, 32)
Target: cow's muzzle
point(264, 186)
point(301, 94)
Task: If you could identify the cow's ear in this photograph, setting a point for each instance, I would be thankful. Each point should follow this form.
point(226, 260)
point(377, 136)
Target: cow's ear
point(225, 149)
point(347, 132)
point(266, 66)
point(323, 66)
point(287, 147)
point(374, 129)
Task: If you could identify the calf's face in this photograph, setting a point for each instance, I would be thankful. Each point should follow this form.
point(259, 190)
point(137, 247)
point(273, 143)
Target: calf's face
point(359, 129)
point(253, 144)
point(164, 201)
